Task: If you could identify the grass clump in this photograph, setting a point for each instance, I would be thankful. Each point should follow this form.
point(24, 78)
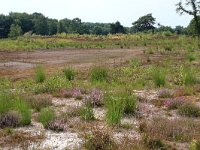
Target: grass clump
point(40, 74)
point(69, 74)
point(189, 110)
point(129, 102)
point(99, 74)
point(159, 77)
point(114, 110)
point(189, 77)
point(46, 116)
point(87, 113)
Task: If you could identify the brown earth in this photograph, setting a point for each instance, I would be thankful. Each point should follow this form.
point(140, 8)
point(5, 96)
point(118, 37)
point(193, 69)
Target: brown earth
point(21, 64)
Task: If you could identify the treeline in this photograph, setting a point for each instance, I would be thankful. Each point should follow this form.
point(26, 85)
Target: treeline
point(16, 24)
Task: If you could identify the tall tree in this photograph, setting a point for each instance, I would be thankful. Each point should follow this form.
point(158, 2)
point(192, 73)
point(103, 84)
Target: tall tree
point(117, 28)
point(144, 23)
point(193, 11)
point(15, 31)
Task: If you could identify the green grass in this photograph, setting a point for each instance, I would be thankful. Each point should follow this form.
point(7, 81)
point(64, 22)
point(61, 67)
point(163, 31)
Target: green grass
point(99, 74)
point(40, 74)
point(46, 116)
point(69, 74)
point(159, 77)
point(129, 102)
point(114, 108)
point(87, 113)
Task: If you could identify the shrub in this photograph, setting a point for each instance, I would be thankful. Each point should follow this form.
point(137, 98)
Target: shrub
point(10, 119)
point(40, 75)
point(159, 77)
point(56, 125)
point(39, 101)
point(46, 116)
point(165, 93)
point(99, 74)
point(174, 103)
point(69, 74)
point(99, 139)
point(76, 93)
point(194, 145)
point(95, 98)
point(87, 113)
point(189, 110)
point(114, 110)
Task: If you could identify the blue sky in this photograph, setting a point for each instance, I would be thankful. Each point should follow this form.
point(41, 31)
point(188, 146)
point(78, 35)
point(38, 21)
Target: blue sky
point(125, 11)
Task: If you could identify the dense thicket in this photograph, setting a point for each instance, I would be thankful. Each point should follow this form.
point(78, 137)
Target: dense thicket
point(16, 24)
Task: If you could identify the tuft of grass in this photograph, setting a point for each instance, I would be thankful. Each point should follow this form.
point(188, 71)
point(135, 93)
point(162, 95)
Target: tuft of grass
point(190, 57)
point(189, 110)
point(159, 77)
point(40, 74)
point(135, 62)
point(129, 102)
point(99, 74)
point(87, 113)
point(24, 109)
point(189, 77)
point(69, 74)
point(114, 110)
point(46, 116)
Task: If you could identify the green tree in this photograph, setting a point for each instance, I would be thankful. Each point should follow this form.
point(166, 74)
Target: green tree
point(5, 23)
point(116, 28)
point(40, 24)
point(191, 27)
point(144, 23)
point(15, 31)
point(194, 11)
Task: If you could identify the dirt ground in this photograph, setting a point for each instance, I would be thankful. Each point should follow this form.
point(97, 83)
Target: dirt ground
point(21, 64)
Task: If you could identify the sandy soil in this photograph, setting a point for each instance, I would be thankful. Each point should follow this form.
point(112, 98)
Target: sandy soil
point(21, 64)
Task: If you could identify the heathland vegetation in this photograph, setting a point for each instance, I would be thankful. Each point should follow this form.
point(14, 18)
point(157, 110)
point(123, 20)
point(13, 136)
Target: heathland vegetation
point(150, 100)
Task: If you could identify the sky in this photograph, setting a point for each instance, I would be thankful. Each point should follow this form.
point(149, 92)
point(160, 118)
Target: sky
point(104, 11)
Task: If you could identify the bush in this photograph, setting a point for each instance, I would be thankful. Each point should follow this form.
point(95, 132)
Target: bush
point(189, 110)
point(40, 75)
point(69, 74)
point(56, 125)
point(174, 103)
point(165, 93)
point(39, 101)
point(87, 113)
point(99, 74)
point(10, 119)
point(159, 77)
point(46, 116)
point(114, 110)
point(95, 98)
point(99, 139)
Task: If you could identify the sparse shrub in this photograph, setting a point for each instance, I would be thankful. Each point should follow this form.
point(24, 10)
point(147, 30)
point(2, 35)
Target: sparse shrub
point(69, 73)
point(181, 130)
point(10, 119)
point(165, 93)
point(168, 48)
point(99, 139)
point(40, 75)
point(174, 103)
point(114, 110)
point(56, 125)
point(159, 77)
point(77, 93)
point(66, 93)
point(95, 98)
point(99, 74)
point(39, 101)
point(46, 116)
point(153, 143)
point(87, 113)
point(189, 110)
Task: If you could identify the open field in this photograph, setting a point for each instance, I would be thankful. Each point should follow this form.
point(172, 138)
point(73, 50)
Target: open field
point(130, 92)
